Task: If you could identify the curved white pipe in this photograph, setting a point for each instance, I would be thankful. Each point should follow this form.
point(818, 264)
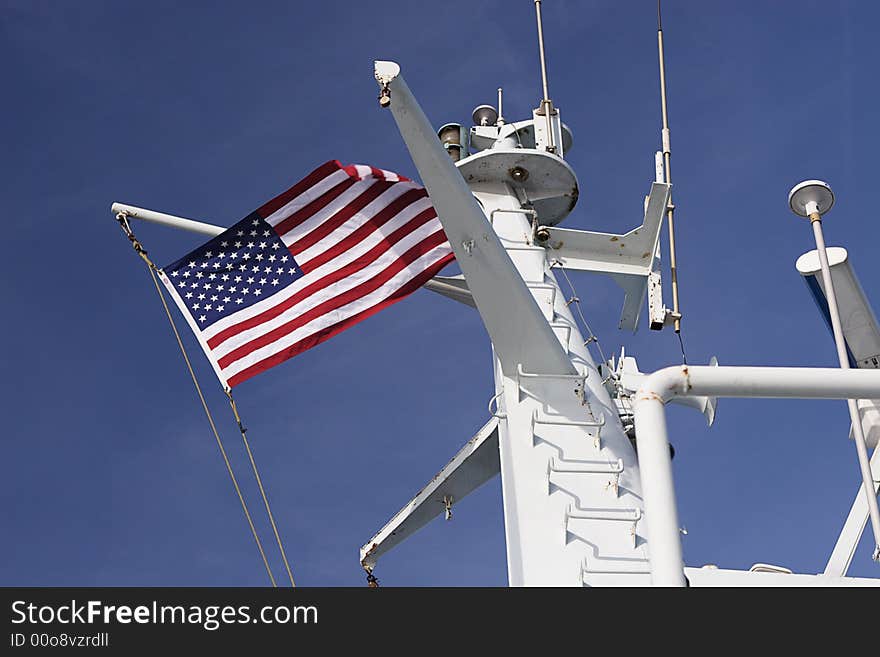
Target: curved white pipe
point(769, 382)
point(667, 566)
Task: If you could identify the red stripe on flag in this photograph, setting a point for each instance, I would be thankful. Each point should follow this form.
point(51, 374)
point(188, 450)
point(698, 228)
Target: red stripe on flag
point(317, 338)
point(336, 302)
point(310, 209)
point(310, 180)
point(344, 214)
point(363, 231)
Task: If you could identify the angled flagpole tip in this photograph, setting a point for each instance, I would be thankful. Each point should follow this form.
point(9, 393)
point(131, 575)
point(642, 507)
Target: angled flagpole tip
point(164, 219)
point(385, 73)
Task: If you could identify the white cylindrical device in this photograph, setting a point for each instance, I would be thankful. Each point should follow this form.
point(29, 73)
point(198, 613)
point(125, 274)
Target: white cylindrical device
point(860, 327)
point(861, 330)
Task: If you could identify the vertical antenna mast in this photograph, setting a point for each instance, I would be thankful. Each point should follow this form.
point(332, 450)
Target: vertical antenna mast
point(500, 120)
point(541, 49)
point(546, 106)
point(667, 153)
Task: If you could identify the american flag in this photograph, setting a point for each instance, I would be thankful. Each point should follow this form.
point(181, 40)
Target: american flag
point(338, 246)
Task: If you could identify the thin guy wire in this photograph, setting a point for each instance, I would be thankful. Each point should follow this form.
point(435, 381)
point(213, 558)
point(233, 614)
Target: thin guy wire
point(260, 484)
point(152, 269)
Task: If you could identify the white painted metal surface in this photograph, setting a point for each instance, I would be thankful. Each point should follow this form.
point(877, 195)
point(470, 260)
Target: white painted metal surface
point(858, 322)
point(627, 258)
point(454, 287)
point(630, 379)
point(869, 411)
point(475, 464)
point(512, 318)
point(853, 527)
point(862, 335)
point(569, 473)
point(653, 443)
point(190, 225)
point(548, 184)
point(764, 382)
point(810, 196)
point(814, 197)
point(667, 565)
point(711, 576)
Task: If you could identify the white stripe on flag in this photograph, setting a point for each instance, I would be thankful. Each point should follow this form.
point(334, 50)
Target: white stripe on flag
point(355, 222)
point(339, 203)
point(299, 202)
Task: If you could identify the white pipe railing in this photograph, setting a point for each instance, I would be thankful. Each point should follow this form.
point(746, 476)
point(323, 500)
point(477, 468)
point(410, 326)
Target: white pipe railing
point(655, 464)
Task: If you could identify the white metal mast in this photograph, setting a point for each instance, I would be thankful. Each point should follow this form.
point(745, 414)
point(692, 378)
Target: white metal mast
point(572, 500)
point(572, 497)
point(579, 507)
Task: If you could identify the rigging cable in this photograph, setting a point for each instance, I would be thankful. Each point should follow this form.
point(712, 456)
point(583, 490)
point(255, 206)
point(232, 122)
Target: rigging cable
point(123, 222)
point(260, 484)
point(591, 337)
point(684, 360)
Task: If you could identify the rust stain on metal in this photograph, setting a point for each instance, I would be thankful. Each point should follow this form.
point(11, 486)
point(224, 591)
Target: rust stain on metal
point(365, 560)
point(574, 198)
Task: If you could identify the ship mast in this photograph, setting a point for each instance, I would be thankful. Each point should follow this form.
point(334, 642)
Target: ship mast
point(572, 496)
point(582, 506)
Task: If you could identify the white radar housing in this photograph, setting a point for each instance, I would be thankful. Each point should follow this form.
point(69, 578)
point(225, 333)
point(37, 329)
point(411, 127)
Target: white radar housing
point(810, 196)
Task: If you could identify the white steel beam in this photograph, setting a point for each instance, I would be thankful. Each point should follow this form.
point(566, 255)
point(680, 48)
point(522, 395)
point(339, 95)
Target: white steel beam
point(610, 253)
point(475, 464)
point(627, 258)
point(453, 287)
point(853, 528)
point(518, 330)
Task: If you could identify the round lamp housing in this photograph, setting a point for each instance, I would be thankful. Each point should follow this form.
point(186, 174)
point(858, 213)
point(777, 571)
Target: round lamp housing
point(485, 115)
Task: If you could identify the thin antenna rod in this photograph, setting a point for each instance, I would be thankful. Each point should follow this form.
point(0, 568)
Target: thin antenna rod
point(541, 48)
point(667, 156)
point(545, 107)
point(500, 120)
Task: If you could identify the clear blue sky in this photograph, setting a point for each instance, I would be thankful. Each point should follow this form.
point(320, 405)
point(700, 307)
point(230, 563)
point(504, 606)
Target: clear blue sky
point(110, 475)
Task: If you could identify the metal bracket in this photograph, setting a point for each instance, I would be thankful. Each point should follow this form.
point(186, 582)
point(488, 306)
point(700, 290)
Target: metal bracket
point(622, 515)
point(628, 258)
point(581, 467)
point(447, 507)
point(579, 379)
point(475, 464)
point(630, 380)
point(496, 413)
